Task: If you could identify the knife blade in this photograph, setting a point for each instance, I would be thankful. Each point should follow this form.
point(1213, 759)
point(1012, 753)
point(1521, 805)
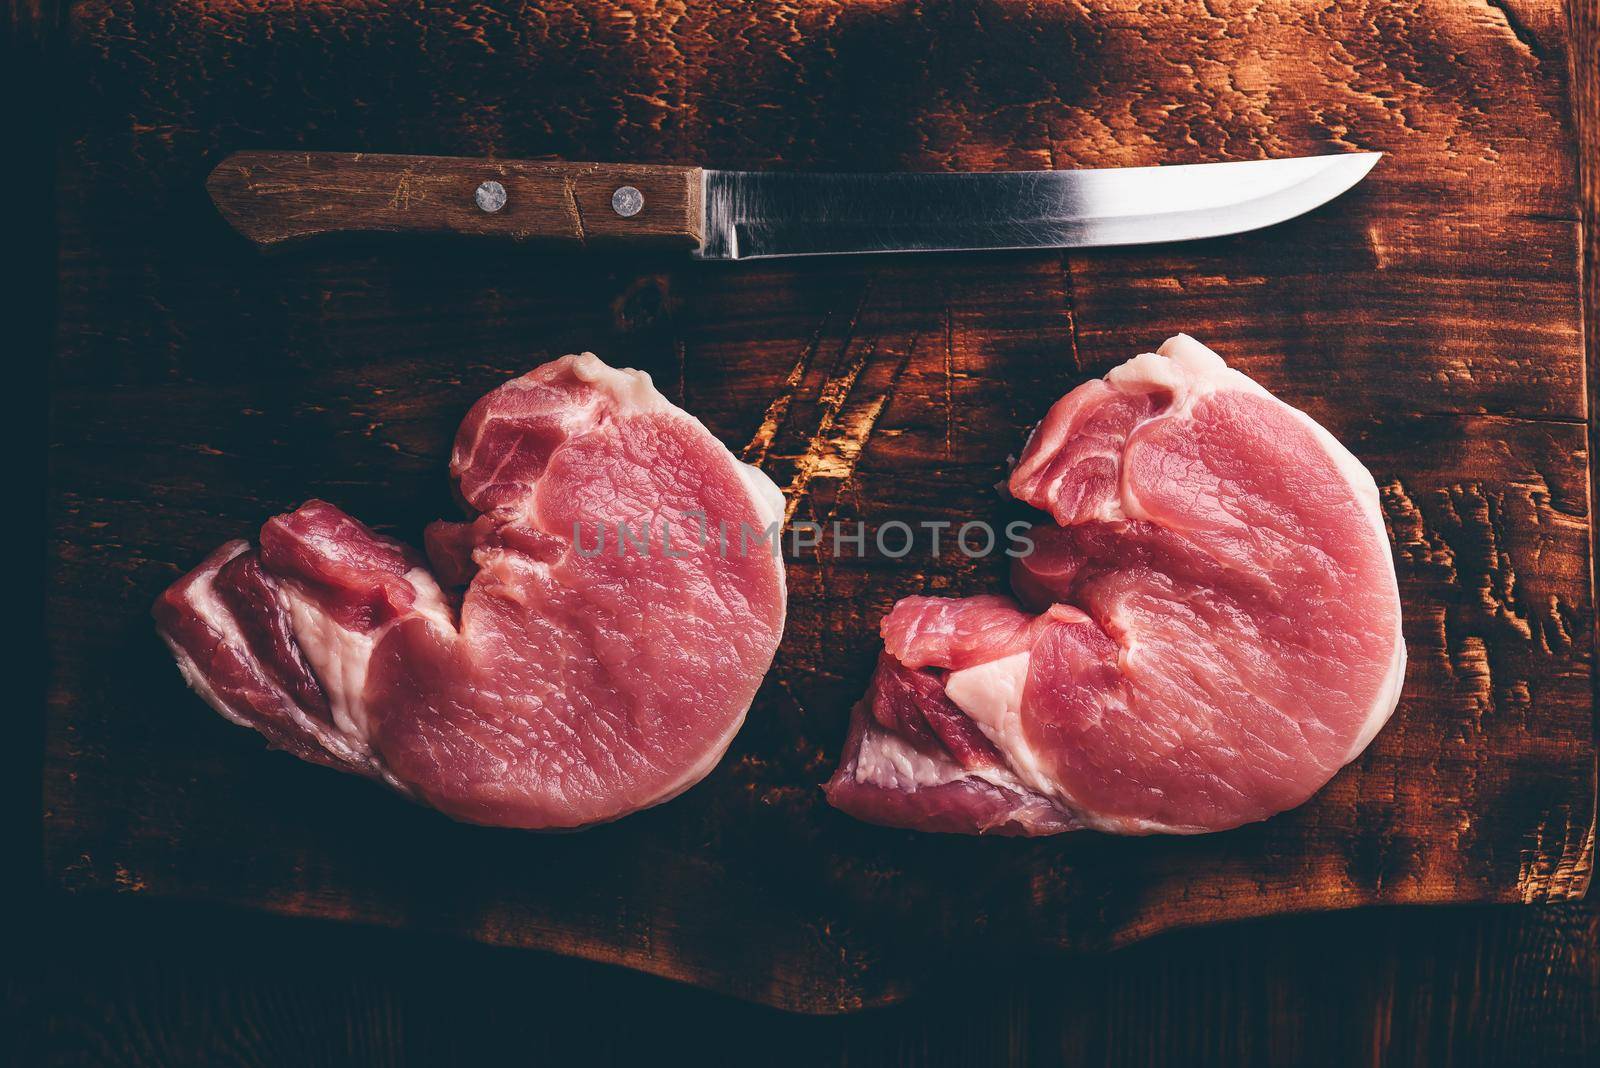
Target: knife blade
point(279, 197)
point(755, 214)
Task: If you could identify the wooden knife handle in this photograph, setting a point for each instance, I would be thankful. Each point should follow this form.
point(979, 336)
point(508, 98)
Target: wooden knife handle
point(276, 197)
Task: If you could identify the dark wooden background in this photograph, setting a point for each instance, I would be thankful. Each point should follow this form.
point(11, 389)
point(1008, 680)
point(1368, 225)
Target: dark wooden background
point(162, 982)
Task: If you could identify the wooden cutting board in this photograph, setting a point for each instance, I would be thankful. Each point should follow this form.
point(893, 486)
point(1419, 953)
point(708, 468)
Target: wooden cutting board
point(1430, 319)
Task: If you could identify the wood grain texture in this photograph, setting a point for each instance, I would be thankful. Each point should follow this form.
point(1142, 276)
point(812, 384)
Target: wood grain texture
point(143, 983)
point(277, 197)
point(1584, 73)
point(1431, 319)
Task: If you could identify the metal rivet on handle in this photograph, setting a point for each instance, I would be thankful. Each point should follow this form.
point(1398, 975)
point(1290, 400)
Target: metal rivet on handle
point(627, 202)
point(491, 197)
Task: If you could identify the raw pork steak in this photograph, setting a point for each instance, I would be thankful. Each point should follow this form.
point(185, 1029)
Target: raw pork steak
point(1207, 632)
point(566, 686)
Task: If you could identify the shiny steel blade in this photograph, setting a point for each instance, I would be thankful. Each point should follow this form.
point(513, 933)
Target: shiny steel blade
point(755, 214)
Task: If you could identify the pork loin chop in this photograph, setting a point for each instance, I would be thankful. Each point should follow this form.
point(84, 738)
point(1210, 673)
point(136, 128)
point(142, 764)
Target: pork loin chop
point(1205, 633)
point(581, 675)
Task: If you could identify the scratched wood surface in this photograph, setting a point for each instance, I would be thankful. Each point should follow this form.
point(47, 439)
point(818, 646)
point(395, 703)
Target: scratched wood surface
point(1431, 319)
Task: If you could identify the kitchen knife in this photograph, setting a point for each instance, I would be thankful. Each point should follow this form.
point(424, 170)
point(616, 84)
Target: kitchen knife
point(276, 197)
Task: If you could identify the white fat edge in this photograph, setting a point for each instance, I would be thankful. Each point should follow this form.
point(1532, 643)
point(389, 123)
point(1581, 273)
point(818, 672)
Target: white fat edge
point(714, 753)
point(624, 386)
point(430, 601)
point(888, 761)
point(1194, 372)
point(633, 392)
point(991, 693)
point(1208, 368)
point(1384, 704)
point(629, 389)
point(1125, 825)
point(341, 657)
point(338, 657)
point(1365, 487)
point(201, 597)
point(509, 568)
point(693, 773)
point(769, 505)
point(1186, 369)
point(991, 696)
point(885, 760)
point(764, 492)
point(197, 681)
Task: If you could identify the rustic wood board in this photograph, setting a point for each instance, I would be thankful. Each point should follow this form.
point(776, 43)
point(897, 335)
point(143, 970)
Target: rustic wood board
point(1431, 319)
